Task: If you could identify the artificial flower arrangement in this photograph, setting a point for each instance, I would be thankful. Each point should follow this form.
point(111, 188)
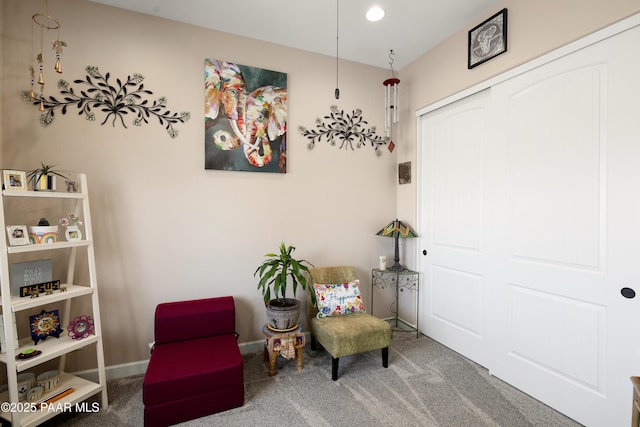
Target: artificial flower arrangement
point(72, 222)
point(71, 219)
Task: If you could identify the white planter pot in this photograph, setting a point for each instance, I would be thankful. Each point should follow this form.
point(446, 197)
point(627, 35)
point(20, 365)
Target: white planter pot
point(44, 183)
point(40, 234)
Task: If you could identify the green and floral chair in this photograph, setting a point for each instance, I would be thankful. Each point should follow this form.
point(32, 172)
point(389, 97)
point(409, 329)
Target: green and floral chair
point(338, 321)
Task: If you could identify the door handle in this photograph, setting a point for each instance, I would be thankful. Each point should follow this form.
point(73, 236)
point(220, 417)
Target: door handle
point(628, 293)
point(424, 252)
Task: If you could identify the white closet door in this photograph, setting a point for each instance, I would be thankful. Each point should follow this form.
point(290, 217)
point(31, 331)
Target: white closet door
point(530, 214)
point(456, 292)
point(567, 220)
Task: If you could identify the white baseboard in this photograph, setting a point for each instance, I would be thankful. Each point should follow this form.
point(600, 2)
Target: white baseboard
point(139, 368)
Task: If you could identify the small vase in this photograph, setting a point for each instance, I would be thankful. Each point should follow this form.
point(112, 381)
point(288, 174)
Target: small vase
point(73, 233)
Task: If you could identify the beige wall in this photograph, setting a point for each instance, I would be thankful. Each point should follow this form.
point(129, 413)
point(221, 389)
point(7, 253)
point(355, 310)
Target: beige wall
point(165, 228)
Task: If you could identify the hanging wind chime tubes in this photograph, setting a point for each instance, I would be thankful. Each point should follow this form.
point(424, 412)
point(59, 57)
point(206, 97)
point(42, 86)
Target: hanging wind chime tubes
point(390, 99)
point(44, 21)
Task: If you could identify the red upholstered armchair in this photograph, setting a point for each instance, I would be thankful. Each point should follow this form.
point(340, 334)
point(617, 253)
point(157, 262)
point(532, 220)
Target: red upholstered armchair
point(196, 366)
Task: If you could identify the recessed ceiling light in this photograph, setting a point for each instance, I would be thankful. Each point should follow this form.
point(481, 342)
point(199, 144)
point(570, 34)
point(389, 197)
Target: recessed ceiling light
point(375, 14)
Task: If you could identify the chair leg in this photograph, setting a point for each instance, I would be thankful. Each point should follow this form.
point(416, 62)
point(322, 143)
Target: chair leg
point(334, 368)
point(385, 357)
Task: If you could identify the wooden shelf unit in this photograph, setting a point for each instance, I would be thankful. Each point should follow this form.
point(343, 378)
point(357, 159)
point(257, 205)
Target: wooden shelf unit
point(51, 348)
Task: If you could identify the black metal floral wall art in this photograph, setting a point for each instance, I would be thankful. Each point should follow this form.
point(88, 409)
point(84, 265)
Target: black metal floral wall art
point(98, 94)
point(348, 129)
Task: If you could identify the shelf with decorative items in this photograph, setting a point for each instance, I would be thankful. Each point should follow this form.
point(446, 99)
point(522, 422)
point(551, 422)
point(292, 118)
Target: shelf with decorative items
point(63, 293)
point(48, 350)
point(28, 289)
point(47, 247)
point(70, 391)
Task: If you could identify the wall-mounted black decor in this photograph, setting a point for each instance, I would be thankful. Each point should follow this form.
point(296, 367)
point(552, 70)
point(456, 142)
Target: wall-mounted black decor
point(348, 129)
point(116, 101)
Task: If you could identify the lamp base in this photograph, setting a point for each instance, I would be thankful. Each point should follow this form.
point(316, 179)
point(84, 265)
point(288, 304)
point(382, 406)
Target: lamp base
point(396, 267)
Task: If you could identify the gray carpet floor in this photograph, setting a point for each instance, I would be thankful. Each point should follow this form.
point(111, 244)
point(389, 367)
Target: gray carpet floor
point(426, 384)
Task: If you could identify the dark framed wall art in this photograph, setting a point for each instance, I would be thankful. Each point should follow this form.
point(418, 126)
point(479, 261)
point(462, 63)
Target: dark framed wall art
point(404, 173)
point(488, 39)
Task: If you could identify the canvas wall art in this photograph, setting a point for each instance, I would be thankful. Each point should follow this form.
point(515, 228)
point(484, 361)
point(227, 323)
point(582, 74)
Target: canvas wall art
point(245, 118)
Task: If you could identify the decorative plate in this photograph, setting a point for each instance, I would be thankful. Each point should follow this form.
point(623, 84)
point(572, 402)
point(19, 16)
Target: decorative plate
point(80, 327)
point(45, 324)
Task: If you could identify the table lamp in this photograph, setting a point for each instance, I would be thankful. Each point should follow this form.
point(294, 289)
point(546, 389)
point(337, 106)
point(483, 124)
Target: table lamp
point(397, 229)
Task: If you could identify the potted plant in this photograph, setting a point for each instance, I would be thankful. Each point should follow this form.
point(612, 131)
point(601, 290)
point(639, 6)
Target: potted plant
point(274, 272)
point(44, 178)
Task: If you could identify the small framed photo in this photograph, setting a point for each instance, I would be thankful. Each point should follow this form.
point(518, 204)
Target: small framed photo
point(72, 186)
point(14, 180)
point(18, 235)
point(488, 39)
point(404, 173)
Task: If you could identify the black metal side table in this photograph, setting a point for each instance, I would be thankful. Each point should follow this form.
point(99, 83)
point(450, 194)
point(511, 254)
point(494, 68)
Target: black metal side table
point(400, 280)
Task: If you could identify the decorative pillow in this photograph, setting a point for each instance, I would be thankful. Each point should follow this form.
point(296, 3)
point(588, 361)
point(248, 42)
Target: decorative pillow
point(338, 299)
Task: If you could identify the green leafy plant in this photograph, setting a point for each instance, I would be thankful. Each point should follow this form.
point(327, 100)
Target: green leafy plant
point(276, 268)
point(43, 170)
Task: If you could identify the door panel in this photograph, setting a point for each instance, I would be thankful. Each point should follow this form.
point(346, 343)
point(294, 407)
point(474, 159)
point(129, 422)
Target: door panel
point(455, 269)
point(457, 174)
point(566, 341)
point(555, 168)
point(457, 299)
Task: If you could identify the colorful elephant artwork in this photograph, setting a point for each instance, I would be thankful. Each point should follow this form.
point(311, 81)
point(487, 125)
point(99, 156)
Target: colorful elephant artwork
point(245, 110)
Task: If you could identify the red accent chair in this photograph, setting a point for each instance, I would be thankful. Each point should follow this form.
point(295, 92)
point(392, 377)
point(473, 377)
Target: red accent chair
point(195, 368)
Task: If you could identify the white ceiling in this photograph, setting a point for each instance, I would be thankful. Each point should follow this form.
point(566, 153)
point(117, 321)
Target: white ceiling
point(410, 27)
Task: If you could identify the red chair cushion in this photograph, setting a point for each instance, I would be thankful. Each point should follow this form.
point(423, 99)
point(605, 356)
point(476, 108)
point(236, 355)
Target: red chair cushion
point(182, 369)
point(187, 320)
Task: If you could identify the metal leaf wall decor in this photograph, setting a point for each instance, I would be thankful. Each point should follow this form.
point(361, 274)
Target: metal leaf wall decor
point(117, 100)
point(349, 129)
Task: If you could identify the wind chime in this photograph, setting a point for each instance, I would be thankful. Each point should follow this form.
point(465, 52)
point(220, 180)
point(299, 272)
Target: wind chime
point(390, 101)
point(337, 91)
point(349, 129)
point(40, 22)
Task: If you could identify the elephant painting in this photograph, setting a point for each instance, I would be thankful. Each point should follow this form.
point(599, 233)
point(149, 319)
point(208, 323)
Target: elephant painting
point(245, 118)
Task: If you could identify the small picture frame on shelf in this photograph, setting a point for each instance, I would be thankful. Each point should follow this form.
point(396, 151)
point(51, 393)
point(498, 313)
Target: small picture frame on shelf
point(14, 180)
point(81, 327)
point(72, 186)
point(18, 235)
